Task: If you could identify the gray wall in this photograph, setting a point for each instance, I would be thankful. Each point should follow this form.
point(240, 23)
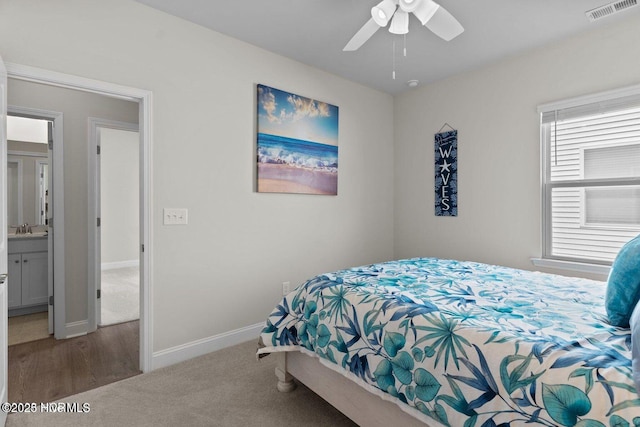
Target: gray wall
point(495, 112)
point(224, 270)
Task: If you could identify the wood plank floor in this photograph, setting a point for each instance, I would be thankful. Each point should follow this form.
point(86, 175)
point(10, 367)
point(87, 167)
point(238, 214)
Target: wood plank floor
point(50, 369)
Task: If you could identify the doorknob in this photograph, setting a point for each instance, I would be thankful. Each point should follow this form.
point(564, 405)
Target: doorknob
point(3, 278)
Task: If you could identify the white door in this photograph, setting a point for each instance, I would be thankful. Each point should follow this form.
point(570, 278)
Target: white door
point(3, 241)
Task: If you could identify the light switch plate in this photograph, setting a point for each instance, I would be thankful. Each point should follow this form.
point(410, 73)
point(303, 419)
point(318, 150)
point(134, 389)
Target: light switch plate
point(175, 216)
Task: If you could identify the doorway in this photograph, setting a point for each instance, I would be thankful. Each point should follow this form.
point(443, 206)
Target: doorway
point(30, 193)
point(113, 198)
point(27, 210)
point(143, 100)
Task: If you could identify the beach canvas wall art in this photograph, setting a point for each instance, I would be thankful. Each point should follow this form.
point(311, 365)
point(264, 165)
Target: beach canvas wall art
point(297, 144)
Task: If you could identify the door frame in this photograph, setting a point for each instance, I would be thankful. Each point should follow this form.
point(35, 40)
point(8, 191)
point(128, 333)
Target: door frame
point(56, 240)
point(4, 291)
point(144, 98)
point(95, 256)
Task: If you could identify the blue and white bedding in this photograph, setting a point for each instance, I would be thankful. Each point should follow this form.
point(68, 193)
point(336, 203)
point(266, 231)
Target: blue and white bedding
point(467, 344)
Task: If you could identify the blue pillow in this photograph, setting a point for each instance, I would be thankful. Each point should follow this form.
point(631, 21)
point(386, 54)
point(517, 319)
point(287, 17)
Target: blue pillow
point(623, 286)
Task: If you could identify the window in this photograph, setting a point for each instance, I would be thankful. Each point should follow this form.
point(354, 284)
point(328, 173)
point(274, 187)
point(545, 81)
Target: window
point(591, 176)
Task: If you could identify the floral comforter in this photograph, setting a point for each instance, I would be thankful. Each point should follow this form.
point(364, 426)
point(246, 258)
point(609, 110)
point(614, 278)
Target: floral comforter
point(467, 344)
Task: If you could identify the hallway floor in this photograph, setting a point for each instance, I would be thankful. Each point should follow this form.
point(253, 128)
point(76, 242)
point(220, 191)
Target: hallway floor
point(50, 369)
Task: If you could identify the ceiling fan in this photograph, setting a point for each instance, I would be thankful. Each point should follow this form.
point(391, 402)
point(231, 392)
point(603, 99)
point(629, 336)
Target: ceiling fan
point(428, 12)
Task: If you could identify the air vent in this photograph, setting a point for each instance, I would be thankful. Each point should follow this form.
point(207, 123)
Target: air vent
point(610, 9)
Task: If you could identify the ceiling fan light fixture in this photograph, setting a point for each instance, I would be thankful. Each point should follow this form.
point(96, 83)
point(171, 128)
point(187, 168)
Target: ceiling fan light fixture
point(409, 5)
point(383, 12)
point(425, 10)
point(399, 23)
point(429, 13)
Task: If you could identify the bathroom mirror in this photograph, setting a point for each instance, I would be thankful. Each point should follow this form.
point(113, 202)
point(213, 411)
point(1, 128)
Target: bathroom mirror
point(27, 171)
point(27, 183)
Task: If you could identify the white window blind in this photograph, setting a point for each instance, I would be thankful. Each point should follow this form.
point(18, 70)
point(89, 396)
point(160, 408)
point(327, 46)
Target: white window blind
point(591, 177)
point(612, 206)
point(614, 161)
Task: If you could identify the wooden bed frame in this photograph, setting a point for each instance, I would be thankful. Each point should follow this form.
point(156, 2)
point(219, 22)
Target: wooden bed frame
point(361, 406)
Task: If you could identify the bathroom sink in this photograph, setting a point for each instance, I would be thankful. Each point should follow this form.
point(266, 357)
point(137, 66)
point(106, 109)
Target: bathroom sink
point(35, 234)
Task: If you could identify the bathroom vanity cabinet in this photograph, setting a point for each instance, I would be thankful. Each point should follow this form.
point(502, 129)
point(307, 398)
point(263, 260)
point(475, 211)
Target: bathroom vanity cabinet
point(28, 275)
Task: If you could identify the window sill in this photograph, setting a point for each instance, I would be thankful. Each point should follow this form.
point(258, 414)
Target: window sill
point(581, 267)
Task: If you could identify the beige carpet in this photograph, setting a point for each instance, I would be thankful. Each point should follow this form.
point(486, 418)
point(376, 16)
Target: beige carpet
point(226, 388)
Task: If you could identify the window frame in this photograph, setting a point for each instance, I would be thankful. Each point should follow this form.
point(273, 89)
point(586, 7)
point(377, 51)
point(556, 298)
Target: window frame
point(547, 186)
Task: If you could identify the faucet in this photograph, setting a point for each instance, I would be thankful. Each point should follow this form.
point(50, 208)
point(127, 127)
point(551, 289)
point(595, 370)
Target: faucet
point(24, 229)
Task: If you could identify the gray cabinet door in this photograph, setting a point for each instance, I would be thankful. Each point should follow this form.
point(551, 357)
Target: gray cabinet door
point(15, 280)
point(34, 278)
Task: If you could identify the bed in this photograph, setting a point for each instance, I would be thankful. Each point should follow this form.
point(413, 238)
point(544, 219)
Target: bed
point(454, 343)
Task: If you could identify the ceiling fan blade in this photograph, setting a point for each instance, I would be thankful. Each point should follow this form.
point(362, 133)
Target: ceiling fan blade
point(444, 25)
point(362, 35)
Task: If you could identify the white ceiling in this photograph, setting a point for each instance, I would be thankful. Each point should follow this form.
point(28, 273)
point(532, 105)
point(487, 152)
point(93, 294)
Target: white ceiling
point(315, 31)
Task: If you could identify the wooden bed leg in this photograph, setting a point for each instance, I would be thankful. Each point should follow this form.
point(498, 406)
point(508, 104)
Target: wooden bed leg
point(285, 380)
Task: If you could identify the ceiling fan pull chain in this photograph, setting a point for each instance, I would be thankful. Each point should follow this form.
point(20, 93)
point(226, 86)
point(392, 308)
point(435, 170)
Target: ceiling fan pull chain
point(393, 53)
point(405, 45)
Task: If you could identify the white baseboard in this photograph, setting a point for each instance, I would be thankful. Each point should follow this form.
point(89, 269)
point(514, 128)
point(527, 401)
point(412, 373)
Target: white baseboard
point(203, 346)
point(120, 264)
point(76, 329)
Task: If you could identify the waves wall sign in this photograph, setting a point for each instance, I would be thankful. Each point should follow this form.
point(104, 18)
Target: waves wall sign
point(446, 173)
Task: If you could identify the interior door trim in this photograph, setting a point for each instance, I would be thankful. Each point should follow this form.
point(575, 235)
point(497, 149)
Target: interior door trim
point(56, 245)
point(145, 122)
point(94, 267)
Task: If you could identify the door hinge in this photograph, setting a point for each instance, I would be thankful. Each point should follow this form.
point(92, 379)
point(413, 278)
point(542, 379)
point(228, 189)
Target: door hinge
point(98, 150)
point(142, 248)
point(99, 294)
point(98, 222)
point(51, 300)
